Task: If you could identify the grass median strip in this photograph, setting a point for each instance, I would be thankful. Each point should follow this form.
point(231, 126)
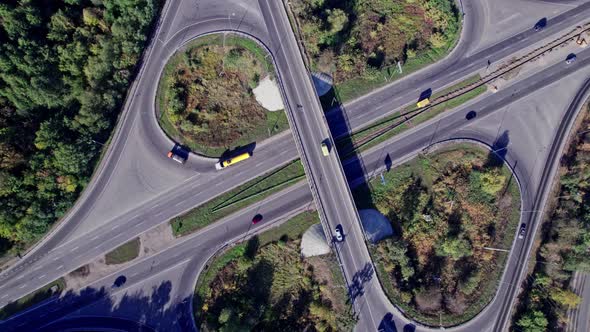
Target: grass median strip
point(123, 253)
point(33, 298)
point(369, 137)
point(237, 198)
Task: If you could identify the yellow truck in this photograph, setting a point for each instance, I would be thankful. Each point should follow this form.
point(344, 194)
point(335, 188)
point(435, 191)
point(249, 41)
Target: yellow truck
point(422, 103)
point(233, 160)
point(326, 147)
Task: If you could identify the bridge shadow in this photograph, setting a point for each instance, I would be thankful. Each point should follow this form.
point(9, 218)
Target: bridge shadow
point(94, 309)
point(499, 150)
point(356, 288)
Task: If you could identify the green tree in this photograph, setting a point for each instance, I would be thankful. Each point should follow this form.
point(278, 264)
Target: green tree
point(456, 248)
point(533, 321)
point(337, 19)
point(565, 297)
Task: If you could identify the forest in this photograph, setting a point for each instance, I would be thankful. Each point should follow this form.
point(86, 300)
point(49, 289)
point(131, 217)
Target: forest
point(265, 285)
point(65, 67)
point(565, 242)
point(446, 207)
point(351, 38)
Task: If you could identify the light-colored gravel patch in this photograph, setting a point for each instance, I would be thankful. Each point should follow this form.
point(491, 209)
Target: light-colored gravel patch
point(268, 95)
point(313, 242)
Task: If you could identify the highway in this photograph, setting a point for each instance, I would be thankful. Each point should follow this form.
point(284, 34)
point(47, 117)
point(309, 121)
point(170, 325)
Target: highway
point(325, 175)
point(400, 150)
point(578, 318)
point(166, 204)
point(153, 144)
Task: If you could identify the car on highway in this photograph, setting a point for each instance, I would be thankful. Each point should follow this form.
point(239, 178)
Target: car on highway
point(257, 218)
point(120, 281)
point(541, 24)
point(178, 154)
point(522, 231)
point(338, 234)
point(470, 115)
point(570, 58)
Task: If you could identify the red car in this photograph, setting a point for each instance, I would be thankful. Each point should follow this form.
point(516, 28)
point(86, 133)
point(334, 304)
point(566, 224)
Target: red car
point(257, 218)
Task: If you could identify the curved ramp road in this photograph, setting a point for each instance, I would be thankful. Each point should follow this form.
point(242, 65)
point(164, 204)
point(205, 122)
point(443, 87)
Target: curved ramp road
point(185, 20)
point(201, 243)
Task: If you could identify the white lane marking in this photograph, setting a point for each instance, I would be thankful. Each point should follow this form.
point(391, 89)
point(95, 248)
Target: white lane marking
point(75, 248)
point(4, 296)
point(19, 277)
point(94, 238)
point(179, 203)
point(56, 258)
point(59, 267)
point(22, 286)
point(41, 276)
point(115, 227)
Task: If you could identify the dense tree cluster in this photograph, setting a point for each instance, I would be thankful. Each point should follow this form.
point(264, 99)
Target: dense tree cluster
point(566, 243)
point(353, 37)
point(272, 289)
point(64, 70)
point(445, 208)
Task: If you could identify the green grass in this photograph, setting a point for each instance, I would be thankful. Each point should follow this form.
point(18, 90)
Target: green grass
point(293, 229)
point(243, 195)
point(276, 122)
point(348, 145)
point(123, 253)
point(357, 87)
point(32, 299)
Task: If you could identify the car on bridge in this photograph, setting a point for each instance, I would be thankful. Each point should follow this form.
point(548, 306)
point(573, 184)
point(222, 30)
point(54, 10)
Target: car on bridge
point(338, 234)
point(326, 147)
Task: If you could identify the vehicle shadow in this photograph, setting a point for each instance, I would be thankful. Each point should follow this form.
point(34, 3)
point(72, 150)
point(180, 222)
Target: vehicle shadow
point(249, 148)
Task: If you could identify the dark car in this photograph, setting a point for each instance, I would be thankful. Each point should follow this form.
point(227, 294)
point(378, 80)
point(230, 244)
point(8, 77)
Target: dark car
point(542, 23)
point(257, 218)
point(470, 115)
point(120, 281)
point(570, 58)
point(338, 234)
point(178, 154)
point(522, 231)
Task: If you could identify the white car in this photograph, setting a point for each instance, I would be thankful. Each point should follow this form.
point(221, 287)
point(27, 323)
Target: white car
point(522, 231)
point(338, 233)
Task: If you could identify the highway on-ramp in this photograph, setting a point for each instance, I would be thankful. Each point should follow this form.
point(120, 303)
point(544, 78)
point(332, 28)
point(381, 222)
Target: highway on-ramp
point(166, 204)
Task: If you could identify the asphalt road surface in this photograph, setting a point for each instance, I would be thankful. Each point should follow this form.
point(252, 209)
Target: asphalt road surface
point(55, 260)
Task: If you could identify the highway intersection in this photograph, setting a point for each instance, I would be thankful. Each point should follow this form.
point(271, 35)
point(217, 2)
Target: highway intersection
point(111, 212)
